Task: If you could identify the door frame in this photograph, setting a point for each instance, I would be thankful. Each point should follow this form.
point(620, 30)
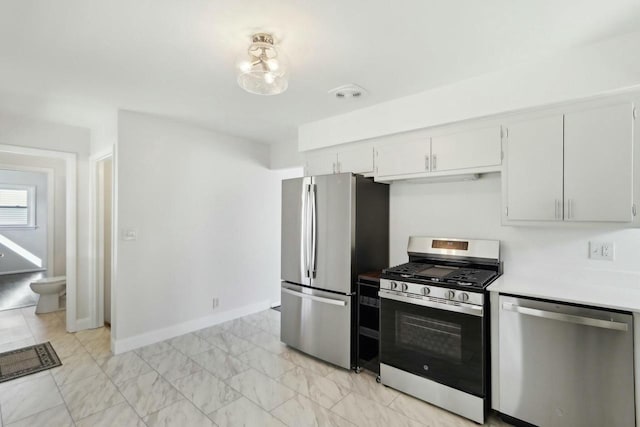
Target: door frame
point(96, 221)
point(70, 219)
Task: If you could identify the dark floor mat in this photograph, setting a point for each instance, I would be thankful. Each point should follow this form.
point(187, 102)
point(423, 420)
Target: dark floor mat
point(28, 360)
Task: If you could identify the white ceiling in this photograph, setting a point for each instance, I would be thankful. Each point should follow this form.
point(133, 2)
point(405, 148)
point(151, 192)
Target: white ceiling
point(79, 60)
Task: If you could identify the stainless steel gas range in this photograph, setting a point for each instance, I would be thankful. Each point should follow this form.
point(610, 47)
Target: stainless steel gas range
point(434, 323)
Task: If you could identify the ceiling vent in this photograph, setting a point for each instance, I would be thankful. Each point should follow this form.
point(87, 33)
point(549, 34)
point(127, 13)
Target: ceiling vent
point(348, 91)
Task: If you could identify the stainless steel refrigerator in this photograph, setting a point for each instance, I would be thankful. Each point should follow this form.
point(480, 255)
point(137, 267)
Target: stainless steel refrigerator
point(334, 227)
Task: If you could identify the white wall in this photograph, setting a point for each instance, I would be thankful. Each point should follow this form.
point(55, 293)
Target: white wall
point(286, 155)
point(207, 212)
point(27, 132)
point(59, 217)
point(572, 74)
point(32, 239)
point(471, 209)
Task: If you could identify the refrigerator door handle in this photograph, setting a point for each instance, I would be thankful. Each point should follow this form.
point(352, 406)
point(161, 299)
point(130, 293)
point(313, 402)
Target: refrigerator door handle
point(314, 231)
point(304, 232)
point(315, 298)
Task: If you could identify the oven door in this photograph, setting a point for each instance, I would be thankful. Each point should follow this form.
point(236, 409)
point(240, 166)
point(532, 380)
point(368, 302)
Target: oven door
point(435, 343)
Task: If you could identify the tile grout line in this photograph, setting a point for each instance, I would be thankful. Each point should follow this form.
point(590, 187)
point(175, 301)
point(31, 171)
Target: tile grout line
point(279, 406)
point(184, 396)
point(117, 388)
point(170, 383)
point(64, 402)
point(96, 359)
point(73, 421)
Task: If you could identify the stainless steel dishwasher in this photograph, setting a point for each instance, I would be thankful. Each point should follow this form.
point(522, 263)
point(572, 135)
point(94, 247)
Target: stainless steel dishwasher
point(565, 365)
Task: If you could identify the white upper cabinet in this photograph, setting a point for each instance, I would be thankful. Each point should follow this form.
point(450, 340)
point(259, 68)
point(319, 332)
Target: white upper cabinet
point(598, 164)
point(357, 160)
point(320, 164)
point(533, 174)
point(403, 157)
point(466, 150)
point(574, 167)
point(470, 151)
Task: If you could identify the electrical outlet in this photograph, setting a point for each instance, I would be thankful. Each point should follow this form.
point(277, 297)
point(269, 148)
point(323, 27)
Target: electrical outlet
point(602, 250)
point(129, 234)
point(215, 303)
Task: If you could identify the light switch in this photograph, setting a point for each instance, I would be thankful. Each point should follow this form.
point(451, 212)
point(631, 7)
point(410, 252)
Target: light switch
point(129, 234)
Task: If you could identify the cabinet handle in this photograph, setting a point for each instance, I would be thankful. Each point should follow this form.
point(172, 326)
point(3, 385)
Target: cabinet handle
point(434, 160)
point(426, 162)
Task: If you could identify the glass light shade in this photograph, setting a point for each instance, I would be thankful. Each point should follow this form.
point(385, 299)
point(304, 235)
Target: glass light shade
point(263, 69)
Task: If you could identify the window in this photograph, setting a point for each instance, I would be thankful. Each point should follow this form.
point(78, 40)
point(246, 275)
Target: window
point(17, 206)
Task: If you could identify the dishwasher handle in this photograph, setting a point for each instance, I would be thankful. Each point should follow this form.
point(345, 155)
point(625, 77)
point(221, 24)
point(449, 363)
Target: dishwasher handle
point(563, 317)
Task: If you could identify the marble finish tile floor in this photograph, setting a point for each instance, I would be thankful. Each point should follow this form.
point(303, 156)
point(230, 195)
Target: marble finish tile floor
point(234, 374)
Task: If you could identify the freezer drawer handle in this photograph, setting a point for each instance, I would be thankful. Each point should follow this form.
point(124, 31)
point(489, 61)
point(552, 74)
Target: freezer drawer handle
point(315, 298)
point(563, 317)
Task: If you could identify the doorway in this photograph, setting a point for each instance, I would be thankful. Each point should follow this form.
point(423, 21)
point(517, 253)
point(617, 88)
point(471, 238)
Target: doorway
point(27, 195)
point(61, 229)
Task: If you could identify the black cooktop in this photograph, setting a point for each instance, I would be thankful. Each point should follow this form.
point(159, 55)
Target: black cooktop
point(461, 276)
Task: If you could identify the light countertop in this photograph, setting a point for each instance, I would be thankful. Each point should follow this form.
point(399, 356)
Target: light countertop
point(615, 290)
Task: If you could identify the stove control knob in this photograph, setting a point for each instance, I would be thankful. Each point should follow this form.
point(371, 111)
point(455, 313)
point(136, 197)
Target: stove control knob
point(463, 297)
point(404, 287)
point(426, 291)
point(394, 285)
point(450, 294)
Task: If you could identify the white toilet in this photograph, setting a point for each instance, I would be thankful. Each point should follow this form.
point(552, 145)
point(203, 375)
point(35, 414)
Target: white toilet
point(50, 290)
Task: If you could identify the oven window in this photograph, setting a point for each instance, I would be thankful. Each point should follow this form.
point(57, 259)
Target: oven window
point(440, 338)
point(444, 346)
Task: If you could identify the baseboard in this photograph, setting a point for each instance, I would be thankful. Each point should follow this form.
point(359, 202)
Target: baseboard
point(33, 270)
point(84, 323)
point(126, 344)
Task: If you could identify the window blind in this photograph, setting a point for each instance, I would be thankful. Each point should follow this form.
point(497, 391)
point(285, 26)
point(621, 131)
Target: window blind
point(14, 207)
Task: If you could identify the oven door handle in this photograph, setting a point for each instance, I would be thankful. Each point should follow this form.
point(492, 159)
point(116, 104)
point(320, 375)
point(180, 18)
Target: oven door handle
point(473, 310)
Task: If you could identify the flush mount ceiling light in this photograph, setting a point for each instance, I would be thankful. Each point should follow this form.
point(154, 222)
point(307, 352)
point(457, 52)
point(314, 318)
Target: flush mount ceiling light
point(263, 69)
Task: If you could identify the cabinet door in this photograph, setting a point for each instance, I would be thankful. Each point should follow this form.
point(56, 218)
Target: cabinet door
point(466, 150)
point(320, 164)
point(356, 160)
point(533, 169)
point(403, 158)
point(598, 164)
